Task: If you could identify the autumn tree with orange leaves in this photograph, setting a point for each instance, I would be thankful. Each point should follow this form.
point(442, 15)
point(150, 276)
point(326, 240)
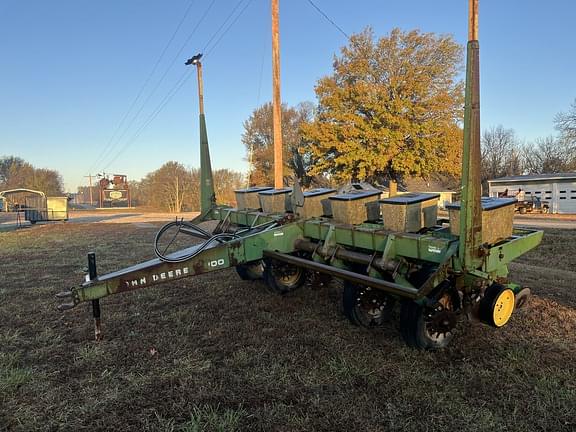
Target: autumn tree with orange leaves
point(258, 137)
point(391, 109)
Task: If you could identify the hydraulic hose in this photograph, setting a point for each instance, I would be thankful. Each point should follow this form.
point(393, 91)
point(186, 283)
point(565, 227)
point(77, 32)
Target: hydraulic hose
point(195, 231)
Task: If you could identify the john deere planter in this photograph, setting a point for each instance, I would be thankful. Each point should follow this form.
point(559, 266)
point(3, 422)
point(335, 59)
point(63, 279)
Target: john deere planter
point(389, 252)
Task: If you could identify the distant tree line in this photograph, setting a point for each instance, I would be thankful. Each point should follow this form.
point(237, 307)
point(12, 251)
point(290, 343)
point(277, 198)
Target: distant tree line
point(175, 188)
point(16, 173)
point(503, 154)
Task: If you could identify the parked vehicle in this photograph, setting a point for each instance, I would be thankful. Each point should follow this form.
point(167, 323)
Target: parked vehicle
point(525, 205)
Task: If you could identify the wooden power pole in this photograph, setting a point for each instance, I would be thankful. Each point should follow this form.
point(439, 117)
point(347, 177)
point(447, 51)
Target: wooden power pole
point(89, 176)
point(470, 201)
point(276, 101)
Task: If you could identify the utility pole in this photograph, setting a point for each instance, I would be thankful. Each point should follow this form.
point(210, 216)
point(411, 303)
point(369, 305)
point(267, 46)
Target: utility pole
point(276, 101)
point(470, 202)
point(207, 195)
point(89, 176)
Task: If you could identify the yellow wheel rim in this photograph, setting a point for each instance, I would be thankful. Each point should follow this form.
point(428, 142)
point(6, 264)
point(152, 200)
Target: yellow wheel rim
point(503, 307)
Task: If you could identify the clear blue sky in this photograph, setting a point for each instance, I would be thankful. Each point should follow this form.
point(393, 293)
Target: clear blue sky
point(69, 70)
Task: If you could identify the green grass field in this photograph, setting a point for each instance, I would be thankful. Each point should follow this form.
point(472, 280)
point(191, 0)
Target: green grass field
point(214, 353)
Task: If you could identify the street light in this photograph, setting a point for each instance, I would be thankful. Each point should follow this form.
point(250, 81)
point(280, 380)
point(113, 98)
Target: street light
point(207, 195)
point(196, 61)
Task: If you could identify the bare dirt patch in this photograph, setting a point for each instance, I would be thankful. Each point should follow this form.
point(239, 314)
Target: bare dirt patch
point(126, 216)
point(217, 353)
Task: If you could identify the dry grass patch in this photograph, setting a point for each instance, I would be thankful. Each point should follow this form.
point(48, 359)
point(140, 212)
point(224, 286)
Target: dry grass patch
point(216, 353)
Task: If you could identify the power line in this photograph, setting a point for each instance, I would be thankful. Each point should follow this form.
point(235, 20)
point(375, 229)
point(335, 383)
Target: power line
point(328, 19)
point(211, 49)
point(175, 58)
point(222, 25)
point(108, 147)
point(177, 86)
point(258, 93)
point(183, 78)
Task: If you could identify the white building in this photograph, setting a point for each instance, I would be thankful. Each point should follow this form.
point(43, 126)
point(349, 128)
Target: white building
point(559, 190)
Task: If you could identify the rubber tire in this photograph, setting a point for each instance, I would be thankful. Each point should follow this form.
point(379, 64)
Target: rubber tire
point(247, 272)
point(277, 285)
point(485, 311)
point(413, 326)
point(349, 297)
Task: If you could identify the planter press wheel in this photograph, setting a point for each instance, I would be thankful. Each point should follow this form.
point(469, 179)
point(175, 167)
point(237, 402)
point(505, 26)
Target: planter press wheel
point(283, 277)
point(365, 306)
point(522, 298)
point(430, 327)
point(497, 305)
point(250, 271)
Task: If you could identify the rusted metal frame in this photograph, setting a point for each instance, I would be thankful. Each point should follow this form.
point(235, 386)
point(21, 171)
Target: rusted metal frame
point(347, 235)
point(382, 265)
point(426, 247)
point(242, 217)
point(282, 238)
point(217, 257)
point(389, 261)
point(390, 287)
point(370, 266)
point(502, 254)
point(204, 216)
point(151, 273)
point(224, 223)
point(441, 272)
point(332, 252)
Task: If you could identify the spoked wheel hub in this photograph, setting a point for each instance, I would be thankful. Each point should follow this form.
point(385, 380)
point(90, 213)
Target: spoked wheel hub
point(441, 320)
point(287, 274)
point(250, 271)
point(431, 326)
point(365, 306)
point(372, 303)
point(283, 277)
